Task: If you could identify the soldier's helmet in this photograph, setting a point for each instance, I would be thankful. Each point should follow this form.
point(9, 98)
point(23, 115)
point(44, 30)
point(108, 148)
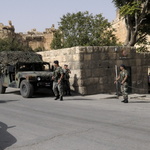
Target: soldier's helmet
point(56, 62)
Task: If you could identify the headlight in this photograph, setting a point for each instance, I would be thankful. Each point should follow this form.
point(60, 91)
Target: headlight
point(39, 78)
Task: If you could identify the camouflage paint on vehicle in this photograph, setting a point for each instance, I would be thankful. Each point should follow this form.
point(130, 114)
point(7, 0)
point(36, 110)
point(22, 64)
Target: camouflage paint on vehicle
point(29, 74)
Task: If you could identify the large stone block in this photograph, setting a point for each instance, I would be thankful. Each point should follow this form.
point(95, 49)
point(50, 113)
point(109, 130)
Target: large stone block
point(77, 65)
point(138, 62)
point(96, 49)
point(105, 64)
point(81, 50)
point(93, 89)
point(76, 57)
point(96, 72)
point(90, 49)
point(132, 62)
point(83, 90)
point(104, 56)
point(87, 57)
point(90, 81)
point(96, 56)
point(88, 73)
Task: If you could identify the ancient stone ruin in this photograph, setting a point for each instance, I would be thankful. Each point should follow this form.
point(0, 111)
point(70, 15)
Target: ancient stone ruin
point(6, 31)
point(33, 38)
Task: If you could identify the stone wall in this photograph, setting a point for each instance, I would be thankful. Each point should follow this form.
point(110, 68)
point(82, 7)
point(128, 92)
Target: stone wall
point(93, 68)
point(41, 40)
point(70, 56)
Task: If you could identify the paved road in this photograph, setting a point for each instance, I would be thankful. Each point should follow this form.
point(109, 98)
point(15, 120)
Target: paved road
point(77, 123)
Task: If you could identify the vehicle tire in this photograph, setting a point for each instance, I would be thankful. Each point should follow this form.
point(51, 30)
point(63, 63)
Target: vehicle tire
point(2, 88)
point(26, 89)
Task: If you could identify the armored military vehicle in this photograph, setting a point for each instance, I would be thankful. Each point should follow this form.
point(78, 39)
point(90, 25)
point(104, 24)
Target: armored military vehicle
point(27, 72)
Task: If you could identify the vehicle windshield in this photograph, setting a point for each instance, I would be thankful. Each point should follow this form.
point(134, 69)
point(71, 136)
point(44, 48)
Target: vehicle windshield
point(33, 67)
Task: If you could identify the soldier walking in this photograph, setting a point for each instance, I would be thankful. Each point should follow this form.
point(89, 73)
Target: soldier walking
point(58, 81)
point(66, 80)
point(123, 77)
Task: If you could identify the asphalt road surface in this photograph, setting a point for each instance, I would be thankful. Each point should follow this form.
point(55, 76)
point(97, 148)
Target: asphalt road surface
point(77, 123)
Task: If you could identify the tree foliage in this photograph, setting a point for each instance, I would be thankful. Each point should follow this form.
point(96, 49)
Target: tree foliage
point(83, 29)
point(12, 44)
point(137, 18)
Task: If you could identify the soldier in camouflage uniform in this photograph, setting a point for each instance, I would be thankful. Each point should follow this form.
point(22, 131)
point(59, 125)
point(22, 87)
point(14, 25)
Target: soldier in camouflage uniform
point(66, 80)
point(123, 77)
point(58, 81)
point(0, 69)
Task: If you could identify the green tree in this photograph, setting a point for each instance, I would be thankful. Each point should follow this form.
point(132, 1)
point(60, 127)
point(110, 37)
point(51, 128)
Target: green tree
point(137, 18)
point(83, 29)
point(12, 44)
point(57, 40)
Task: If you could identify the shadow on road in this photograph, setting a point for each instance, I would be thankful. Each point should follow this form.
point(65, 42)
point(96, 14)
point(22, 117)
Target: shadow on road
point(43, 93)
point(139, 102)
point(37, 94)
point(77, 99)
point(14, 92)
point(6, 101)
point(6, 139)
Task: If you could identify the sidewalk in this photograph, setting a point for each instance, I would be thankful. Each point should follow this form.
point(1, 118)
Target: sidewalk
point(131, 96)
point(113, 96)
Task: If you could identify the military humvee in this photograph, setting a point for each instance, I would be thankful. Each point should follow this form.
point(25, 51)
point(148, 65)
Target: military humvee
point(26, 76)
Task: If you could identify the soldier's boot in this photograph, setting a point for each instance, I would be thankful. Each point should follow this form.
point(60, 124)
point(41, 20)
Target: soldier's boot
point(126, 101)
point(65, 93)
point(56, 98)
point(61, 98)
point(69, 93)
point(123, 101)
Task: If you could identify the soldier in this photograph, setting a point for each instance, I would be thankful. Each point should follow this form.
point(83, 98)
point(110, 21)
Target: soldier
point(149, 79)
point(149, 82)
point(123, 77)
point(66, 80)
point(0, 69)
point(58, 81)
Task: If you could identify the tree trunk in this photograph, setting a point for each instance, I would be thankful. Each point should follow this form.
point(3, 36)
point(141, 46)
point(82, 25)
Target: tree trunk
point(133, 39)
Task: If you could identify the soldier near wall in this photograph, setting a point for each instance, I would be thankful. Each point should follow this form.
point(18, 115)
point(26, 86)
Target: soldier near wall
point(66, 80)
point(123, 78)
point(149, 82)
point(58, 81)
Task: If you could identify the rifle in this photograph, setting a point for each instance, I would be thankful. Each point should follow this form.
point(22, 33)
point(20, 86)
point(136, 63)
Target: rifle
point(117, 90)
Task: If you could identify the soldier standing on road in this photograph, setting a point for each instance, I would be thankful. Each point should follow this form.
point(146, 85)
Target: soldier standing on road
point(149, 83)
point(66, 80)
point(58, 81)
point(149, 79)
point(123, 77)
